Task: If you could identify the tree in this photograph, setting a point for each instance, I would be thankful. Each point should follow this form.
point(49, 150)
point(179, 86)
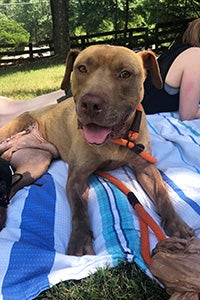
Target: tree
point(52, 20)
point(95, 16)
point(59, 10)
point(35, 17)
point(161, 11)
point(12, 32)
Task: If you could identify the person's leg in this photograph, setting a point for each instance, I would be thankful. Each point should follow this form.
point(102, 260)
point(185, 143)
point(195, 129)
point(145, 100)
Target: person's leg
point(10, 108)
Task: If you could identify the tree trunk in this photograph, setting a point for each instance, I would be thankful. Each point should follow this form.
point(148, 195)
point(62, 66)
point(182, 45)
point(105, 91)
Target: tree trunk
point(61, 39)
point(126, 17)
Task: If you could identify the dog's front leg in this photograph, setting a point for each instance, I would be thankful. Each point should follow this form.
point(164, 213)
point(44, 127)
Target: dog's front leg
point(80, 242)
point(150, 179)
point(16, 125)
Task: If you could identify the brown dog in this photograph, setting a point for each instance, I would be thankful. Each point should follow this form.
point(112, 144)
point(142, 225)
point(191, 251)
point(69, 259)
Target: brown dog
point(107, 85)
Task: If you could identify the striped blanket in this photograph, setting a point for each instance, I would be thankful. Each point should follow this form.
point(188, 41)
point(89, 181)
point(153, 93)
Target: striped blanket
point(34, 241)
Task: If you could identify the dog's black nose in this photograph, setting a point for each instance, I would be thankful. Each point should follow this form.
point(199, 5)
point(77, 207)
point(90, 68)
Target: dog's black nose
point(91, 105)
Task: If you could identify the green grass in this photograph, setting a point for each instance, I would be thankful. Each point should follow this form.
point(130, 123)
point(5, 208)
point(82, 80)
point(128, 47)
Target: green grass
point(31, 80)
point(123, 282)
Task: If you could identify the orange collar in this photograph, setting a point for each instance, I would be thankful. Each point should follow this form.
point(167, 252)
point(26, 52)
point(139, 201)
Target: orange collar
point(133, 135)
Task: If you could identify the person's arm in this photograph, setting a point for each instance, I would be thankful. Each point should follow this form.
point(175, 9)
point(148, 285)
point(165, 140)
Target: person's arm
point(10, 108)
point(189, 100)
point(190, 92)
point(185, 74)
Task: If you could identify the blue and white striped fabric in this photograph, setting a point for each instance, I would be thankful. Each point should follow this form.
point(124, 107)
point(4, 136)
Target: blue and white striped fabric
point(34, 241)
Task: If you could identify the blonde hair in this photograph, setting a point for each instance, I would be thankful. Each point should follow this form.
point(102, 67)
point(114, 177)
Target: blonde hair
point(192, 34)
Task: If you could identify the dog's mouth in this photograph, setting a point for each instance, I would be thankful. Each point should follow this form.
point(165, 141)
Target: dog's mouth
point(96, 134)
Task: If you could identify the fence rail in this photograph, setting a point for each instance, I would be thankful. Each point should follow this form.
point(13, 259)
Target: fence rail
point(134, 37)
point(157, 38)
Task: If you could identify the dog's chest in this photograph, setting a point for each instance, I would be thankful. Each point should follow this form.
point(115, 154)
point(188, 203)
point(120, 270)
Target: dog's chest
point(115, 156)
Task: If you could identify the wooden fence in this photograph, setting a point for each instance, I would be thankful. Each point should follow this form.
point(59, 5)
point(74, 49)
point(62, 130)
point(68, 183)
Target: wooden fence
point(132, 38)
point(157, 38)
point(10, 54)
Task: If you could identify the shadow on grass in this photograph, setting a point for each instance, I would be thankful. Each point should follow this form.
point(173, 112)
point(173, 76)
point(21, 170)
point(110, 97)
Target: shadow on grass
point(36, 64)
point(14, 94)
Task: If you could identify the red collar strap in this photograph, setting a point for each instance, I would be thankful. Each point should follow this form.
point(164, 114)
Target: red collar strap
point(132, 136)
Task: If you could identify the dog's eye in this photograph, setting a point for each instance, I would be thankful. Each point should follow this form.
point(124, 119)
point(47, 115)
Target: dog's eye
point(82, 68)
point(125, 74)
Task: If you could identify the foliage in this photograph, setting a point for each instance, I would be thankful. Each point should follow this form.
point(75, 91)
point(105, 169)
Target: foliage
point(86, 16)
point(161, 11)
point(34, 15)
point(12, 32)
point(96, 16)
point(36, 19)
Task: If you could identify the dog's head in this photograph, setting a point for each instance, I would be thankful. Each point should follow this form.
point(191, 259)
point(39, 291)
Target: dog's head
point(107, 86)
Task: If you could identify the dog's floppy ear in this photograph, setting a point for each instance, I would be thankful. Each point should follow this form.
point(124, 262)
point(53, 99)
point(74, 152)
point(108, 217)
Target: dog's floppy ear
point(150, 63)
point(65, 85)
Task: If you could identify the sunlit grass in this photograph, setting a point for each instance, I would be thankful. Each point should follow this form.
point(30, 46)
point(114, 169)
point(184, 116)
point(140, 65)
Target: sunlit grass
point(29, 82)
point(124, 282)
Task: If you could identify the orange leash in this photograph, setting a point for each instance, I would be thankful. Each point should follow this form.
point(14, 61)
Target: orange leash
point(144, 218)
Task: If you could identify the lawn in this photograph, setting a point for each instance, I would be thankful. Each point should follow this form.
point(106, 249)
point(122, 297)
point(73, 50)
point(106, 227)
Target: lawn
point(123, 282)
point(31, 80)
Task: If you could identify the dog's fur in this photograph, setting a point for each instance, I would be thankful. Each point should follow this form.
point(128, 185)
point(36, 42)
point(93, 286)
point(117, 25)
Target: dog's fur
point(107, 86)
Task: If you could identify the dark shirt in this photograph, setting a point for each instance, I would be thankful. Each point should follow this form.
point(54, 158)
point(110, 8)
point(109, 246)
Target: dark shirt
point(156, 100)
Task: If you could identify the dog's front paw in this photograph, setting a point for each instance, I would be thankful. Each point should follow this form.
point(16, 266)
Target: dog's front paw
point(80, 243)
point(3, 214)
point(177, 227)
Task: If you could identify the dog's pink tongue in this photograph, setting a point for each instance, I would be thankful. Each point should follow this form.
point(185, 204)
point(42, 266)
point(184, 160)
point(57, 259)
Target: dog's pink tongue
point(95, 134)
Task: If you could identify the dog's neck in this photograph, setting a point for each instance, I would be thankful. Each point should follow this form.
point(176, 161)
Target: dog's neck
point(135, 126)
point(133, 133)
